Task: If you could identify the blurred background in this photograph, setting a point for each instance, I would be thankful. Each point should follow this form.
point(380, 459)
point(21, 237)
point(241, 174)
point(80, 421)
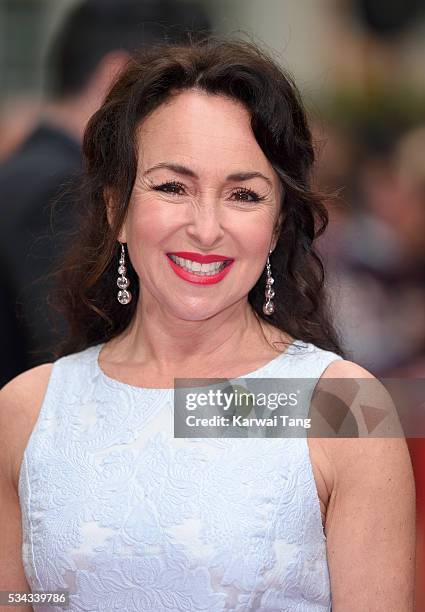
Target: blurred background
point(360, 65)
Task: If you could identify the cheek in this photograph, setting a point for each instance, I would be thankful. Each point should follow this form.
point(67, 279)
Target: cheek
point(148, 222)
point(255, 232)
point(257, 241)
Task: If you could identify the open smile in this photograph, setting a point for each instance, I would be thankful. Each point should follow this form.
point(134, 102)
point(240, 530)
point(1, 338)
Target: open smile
point(200, 269)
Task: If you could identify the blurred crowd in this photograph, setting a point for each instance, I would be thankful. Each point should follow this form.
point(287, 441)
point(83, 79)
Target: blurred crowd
point(374, 249)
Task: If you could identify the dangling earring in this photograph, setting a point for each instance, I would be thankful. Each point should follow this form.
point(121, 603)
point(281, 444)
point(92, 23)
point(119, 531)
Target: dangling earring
point(124, 296)
point(268, 306)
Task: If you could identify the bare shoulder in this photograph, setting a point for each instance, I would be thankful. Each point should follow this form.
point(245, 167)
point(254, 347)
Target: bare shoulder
point(371, 501)
point(376, 450)
point(329, 383)
point(363, 399)
point(27, 383)
point(20, 403)
point(342, 368)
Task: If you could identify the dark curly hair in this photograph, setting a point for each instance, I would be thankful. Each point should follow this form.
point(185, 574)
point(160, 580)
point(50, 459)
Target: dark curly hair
point(240, 70)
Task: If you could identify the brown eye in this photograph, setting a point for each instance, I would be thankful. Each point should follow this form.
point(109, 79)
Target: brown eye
point(247, 195)
point(172, 187)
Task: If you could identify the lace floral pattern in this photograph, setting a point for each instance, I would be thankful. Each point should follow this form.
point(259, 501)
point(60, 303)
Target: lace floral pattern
point(128, 518)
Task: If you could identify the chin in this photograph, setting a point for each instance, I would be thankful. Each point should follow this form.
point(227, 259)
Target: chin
point(194, 312)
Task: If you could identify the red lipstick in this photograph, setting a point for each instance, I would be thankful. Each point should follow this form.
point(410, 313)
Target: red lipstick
point(195, 278)
point(201, 258)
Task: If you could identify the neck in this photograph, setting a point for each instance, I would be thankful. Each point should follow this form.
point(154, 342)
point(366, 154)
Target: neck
point(155, 337)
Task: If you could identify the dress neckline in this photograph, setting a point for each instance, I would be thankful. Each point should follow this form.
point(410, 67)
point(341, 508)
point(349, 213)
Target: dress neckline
point(263, 370)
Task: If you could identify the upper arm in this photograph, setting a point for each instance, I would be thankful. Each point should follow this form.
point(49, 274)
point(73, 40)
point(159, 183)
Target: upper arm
point(20, 401)
point(370, 523)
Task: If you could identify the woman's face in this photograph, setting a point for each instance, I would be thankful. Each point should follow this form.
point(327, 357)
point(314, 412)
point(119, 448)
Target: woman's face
point(205, 195)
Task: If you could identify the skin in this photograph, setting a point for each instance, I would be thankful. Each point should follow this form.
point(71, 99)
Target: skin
point(365, 486)
point(177, 321)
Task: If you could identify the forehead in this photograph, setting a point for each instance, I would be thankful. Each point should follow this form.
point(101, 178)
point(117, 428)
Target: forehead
point(209, 132)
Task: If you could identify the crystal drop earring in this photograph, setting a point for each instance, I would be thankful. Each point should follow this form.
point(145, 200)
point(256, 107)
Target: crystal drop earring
point(123, 296)
point(268, 306)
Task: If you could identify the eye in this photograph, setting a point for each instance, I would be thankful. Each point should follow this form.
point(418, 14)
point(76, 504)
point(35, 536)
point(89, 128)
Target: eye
point(176, 188)
point(171, 187)
point(244, 195)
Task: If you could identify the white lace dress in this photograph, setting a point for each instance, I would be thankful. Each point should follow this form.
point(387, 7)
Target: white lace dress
point(128, 518)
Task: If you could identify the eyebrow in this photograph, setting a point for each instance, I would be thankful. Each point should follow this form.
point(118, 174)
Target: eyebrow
point(237, 176)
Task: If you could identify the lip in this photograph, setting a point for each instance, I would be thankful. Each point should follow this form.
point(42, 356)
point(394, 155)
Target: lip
point(201, 258)
point(195, 278)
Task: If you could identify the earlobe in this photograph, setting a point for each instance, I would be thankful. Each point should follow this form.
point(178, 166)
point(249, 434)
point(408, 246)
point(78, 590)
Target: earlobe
point(110, 206)
point(274, 238)
point(108, 199)
point(276, 231)
point(122, 235)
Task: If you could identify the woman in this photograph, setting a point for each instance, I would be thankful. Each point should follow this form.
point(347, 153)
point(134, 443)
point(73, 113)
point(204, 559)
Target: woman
point(197, 200)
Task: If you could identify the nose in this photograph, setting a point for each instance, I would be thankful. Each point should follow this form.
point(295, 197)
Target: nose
point(205, 226)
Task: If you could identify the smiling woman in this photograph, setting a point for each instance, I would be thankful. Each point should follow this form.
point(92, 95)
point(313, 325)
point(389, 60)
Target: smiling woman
point(196, 258)
point(219, 194)
point(204, 138)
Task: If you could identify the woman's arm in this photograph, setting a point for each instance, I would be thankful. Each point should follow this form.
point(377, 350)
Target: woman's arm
point(370, 521)
point(20, 401)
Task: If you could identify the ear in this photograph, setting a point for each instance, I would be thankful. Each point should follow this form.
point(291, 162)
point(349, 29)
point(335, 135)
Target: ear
point(108, 196)
point(276, 231)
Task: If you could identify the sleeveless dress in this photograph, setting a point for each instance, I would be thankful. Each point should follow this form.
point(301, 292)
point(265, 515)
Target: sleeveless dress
point(128, 518)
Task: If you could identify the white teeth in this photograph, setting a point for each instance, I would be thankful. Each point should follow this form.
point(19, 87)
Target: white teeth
point(198, 268)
